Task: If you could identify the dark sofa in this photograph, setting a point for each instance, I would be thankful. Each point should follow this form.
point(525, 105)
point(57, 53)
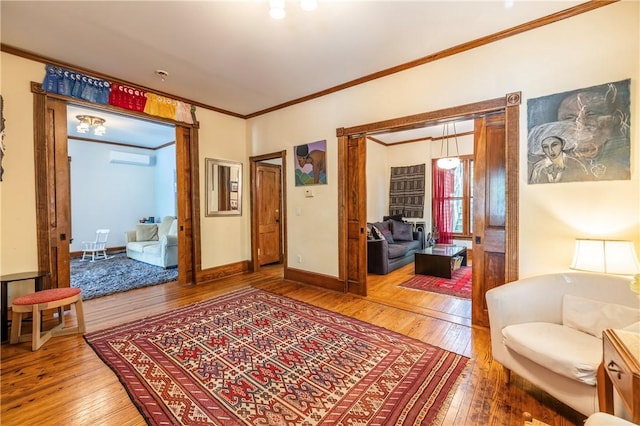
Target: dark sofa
point(390, 245)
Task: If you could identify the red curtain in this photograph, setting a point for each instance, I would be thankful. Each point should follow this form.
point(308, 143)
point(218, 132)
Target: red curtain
point(442, 188)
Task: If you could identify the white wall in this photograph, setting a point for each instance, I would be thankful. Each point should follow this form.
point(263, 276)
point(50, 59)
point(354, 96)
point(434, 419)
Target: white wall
point(116, 196)
point(557, 57)
point(165, 184)
point(377, 181)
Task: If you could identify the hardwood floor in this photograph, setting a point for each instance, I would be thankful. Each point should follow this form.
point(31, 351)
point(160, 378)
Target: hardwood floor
point(65, 383)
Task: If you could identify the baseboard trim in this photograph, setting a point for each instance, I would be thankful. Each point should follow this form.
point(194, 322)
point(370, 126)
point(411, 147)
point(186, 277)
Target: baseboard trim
point(218, 272)
point(314, 279)
point(110, 250)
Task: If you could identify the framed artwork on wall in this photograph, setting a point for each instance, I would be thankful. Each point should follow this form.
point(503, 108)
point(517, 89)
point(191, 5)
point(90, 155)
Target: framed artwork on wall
point(310, 163)
point(580, 135)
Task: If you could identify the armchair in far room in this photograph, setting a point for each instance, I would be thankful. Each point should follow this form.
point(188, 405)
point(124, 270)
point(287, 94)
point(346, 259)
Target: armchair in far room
point(156, 244)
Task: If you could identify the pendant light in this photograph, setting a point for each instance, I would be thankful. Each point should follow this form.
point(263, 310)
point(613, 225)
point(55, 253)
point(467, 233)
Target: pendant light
point(448, 162)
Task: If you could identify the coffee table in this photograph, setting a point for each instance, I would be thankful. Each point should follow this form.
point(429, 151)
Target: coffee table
point(436, 260)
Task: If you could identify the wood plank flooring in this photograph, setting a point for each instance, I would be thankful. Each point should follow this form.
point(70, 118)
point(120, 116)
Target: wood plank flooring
point(65, 383)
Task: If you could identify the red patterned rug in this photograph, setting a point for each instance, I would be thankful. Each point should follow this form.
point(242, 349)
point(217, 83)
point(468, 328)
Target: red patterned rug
point(459, 285)
point(257, 358)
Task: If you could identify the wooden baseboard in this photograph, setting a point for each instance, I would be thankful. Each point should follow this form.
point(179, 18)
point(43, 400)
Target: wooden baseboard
point(110, 250)
point(312, 278)
point(218, 272)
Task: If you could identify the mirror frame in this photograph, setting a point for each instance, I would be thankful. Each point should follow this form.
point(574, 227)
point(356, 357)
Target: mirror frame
point(211, 188)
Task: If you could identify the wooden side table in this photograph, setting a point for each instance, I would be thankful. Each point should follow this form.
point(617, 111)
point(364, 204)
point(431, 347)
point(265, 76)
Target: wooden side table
point(620, 369)
point(37, 276)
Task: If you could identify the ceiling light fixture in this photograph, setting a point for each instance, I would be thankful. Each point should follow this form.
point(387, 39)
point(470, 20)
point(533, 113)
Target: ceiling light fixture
point(309, 5)
point(88, 122)
point(276, 9)
point(448, 162)
point(162, 74)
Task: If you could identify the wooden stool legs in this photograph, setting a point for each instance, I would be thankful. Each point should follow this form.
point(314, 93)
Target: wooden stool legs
point(37, 337)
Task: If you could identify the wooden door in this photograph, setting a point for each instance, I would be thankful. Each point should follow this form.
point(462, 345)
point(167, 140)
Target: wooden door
point(489, 219)
point(268, 204)
point(53, 200)
point(188, 253)
point(355, 211)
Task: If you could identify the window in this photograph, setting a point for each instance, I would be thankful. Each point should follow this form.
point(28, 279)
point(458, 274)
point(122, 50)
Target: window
point(460, 198)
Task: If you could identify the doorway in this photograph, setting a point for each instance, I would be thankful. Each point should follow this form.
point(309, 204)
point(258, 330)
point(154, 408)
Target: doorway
point(121, 175)
point(268, 210)
point(500, 146)
point(53, 189)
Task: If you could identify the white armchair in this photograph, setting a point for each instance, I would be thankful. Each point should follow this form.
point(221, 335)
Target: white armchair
point(154, 244)
point(548, 330)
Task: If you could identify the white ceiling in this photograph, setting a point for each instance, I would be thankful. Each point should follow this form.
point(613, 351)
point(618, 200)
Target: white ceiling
point(232, 55)
point(122, 129)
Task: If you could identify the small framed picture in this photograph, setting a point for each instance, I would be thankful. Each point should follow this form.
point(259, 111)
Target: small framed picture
point(310, 163)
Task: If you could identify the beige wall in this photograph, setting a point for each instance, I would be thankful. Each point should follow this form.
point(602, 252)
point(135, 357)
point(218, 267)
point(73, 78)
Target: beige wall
point(593, 48)
point(225, 239)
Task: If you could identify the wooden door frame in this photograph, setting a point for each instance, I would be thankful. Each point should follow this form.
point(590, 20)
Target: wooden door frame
point(255, 264)
point(510, 104)
point(44, 179)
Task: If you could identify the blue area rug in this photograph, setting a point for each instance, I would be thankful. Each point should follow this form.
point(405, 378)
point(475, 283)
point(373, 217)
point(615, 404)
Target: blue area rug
point(115, 275)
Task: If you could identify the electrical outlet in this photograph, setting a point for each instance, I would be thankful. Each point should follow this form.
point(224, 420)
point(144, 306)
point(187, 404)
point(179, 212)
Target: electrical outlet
point(299, 258)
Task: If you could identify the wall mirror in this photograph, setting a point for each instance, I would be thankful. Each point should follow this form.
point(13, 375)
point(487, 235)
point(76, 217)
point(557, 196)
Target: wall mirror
point(223, 192)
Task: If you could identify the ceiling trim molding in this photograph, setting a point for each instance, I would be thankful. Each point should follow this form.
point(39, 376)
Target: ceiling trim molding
point(555, 17)
point(106, 142)
point(549, 19)
point(426, 138)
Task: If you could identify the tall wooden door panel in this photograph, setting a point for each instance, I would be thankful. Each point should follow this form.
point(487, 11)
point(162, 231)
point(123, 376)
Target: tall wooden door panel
point(489, 212)
point(356, 211)
point(186, 155)
point(269, 213)
point(53, 200)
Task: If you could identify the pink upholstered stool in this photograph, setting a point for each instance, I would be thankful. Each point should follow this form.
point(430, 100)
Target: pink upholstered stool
point(40, 301)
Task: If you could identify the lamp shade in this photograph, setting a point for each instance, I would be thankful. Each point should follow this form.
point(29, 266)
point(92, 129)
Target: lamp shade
point(448, 163)
point(606, 256)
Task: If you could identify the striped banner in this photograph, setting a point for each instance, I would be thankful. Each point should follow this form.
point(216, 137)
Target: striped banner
point(406, 193)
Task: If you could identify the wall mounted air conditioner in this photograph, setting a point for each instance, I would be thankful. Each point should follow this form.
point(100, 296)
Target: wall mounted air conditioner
point(119, 157)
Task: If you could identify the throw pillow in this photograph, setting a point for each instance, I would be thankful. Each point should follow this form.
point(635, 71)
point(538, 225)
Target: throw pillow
point(146, 232)
point(401, 231)
point(592, 316)
point(377, 235)
point(397, 217)
point(388, 236)
point(383, 225)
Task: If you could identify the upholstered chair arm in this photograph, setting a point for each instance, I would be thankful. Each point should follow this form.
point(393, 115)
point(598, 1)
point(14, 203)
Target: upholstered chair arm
point(532, 299)
point(130, 236)
point(378, 256)
point(418, 235)
point(169, 240)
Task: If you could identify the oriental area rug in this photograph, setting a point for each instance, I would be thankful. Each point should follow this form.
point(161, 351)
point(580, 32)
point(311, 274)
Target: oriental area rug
point(257, 358)
point(459, 285)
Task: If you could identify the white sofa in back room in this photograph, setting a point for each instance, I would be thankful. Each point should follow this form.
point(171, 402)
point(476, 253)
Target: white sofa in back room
point(548, 330)
point(156, 244)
